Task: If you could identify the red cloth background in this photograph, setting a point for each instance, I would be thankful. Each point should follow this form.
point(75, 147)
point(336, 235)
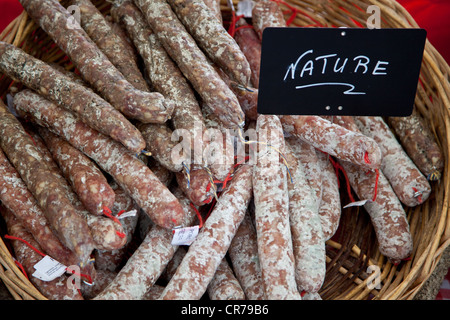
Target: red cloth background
point(9, 9)
point(433, 16)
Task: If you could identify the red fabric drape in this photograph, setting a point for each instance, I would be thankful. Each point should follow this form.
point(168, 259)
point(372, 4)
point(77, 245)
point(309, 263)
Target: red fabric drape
point(9, 9)
point(433, 16)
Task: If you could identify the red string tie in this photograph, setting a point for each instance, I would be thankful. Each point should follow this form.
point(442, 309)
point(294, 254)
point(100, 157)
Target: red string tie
point(338, 168)
point(20, 266)
point(417, 194)
point(199, 216)
point(407, 259)
point(26, 242)
point(234, 19)
point(107, 212)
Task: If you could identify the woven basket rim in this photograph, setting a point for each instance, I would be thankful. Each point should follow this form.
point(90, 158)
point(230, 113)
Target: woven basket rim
point(412, 274)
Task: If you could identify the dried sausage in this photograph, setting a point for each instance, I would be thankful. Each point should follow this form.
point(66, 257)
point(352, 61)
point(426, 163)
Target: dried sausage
point(218, 151)
point(250, 44)
point(330, 207)
point(147, 263)
point(164, 175)
point(271, 201)
point(192, 62)
point(198, 267)
point(335, 140)
point(197, 186)
point(54, 290)
point(243, 253)
point(247, 96)
point(106, 233)
point(212, 38)
point(160, 144)
point(112, 260)
point(419, 143)
point(384, 208)
point(93, 64)
point(143, 268)
point(102, 33)
point(128, 171)
point(386, 212)
point(70, 228)
point(16, 198)
point(102, 279)
point(308, 160)
point(410, 185)
point(224, 285)
point(214, 6)
point(267, 14)
point(66, 93)
point(163, 73)
point(85, 177)
point(306, 228)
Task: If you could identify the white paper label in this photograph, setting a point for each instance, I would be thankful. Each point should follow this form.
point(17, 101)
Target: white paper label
point(245, 8)
point(48, 269)
point(230, 4)
point(130, 213)
point(184, 236)
point(357, 203)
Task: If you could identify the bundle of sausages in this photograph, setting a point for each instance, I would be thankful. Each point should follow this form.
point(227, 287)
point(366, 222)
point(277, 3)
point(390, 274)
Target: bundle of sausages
point(91, 175)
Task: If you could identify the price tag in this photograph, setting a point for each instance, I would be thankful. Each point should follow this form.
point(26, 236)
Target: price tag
point(357, 203)
point(130, 213)
point(340, 71)
point(184, 236)
point(48, 269)
point(245, 8)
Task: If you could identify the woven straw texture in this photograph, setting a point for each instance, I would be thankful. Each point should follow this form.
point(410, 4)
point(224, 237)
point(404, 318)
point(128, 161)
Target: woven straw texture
point(350, 254)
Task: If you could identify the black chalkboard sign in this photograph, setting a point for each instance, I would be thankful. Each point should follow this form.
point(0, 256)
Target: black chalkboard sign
point(340, 71)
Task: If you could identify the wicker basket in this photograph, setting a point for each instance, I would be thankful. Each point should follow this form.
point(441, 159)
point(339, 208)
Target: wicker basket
point(354, 249)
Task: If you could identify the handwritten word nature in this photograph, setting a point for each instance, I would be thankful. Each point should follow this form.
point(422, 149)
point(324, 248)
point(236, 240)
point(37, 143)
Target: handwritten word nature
point(307, 64)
